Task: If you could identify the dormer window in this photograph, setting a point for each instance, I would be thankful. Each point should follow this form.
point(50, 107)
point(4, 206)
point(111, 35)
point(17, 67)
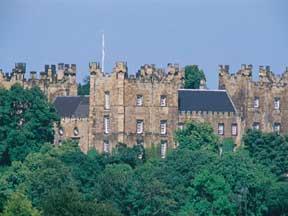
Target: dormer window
point(256, 102)
point(139, 100)
point(107, 100)
point(163, 100)
point(276, 103)
point(76, 131)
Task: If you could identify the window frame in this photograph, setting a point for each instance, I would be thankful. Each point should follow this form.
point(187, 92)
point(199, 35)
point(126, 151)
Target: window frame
point(106, 100)
point(141, 123)
point(163, 127)
point(223, 129)
point(106, 124)
point(139, 100)
point(163, 98)
point(233, 125)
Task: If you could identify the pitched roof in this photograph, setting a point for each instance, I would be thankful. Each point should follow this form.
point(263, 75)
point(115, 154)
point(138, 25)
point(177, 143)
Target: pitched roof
point(204, 100)
point(72, 106)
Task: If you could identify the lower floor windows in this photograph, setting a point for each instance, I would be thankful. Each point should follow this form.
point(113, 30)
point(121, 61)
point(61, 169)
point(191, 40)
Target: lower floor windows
point(221, 129)
point(106, 146)
point(277, 127)
point(163, 148)
point(234, 129)
point(256, 126)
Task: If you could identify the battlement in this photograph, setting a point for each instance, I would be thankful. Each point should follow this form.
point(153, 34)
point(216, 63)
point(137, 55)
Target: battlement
point(50, 73)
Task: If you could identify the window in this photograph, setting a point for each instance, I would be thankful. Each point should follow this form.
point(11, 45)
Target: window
point(163, 100)
point(61, 131)
point(106, 146)
point(234, 130)
point(221, 129)
point(180, 126)
point(163, 127)
point(256, 102)
point(277, 103)
point(106, 124)
point(107, 100)
point(139, 100)
point(139, 126)
point(256, 126)
point(76, 131)
point(163, 148)
point(277, 127)
point(140, 142)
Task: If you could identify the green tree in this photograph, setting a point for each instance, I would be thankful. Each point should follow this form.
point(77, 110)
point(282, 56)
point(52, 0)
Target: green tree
point(196, 136)
point(270, 149)
point(26, 122)
point(84, 89)
point(193, 76)
point(18, 204)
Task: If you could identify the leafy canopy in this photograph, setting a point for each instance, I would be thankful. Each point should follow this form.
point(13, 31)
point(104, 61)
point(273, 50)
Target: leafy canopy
point(193, 76)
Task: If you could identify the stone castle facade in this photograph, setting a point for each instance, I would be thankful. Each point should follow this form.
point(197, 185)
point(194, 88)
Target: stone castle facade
point(146, 108)
point(60, 81)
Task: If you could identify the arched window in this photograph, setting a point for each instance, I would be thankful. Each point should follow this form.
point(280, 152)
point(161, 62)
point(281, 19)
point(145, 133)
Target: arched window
point(76, 131)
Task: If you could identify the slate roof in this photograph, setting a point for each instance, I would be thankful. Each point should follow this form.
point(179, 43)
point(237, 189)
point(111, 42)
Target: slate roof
point(204, 100)
point(72, 106)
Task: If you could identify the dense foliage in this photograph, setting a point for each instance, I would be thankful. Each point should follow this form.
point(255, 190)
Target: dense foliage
point(200, 177)
point(193, 76)
point(84, 89)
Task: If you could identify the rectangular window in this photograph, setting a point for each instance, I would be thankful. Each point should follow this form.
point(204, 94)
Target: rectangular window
point(277, 103)
point(163, 148)
point(180, 126)
point(256, 126)
point(221, 128)
point(234, 130)
point(277, 127)
point(163, 127)
point(107, 101)
point(139, 100)
point(106, 147)
point(139, 126)
point(106, 124)
point(163, 100)
point(256, 102)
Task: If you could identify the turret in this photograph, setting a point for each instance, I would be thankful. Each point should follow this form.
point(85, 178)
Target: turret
point(60, 71)
point(121, 70)
point(33, 75)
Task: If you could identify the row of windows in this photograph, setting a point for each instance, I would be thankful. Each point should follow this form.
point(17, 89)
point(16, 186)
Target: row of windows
point(234, 129)
point(163, 147)
point(75, 131)
point(276, 126)
point(139, 126)
point(256, 103)
point(139, 100)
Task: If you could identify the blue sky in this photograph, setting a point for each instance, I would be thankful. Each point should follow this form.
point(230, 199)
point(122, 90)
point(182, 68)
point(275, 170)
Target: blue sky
point(203, 32)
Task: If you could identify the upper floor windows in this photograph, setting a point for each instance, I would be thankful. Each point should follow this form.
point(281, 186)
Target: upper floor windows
point(276, 103)
point(139, 126)
point(76, 131)
point(106, 124)
point(139, 100)
point(163, 127)
point(107, 100)
point(221, 129)
point(234, 129)
point(256, 102)
point(163, 100)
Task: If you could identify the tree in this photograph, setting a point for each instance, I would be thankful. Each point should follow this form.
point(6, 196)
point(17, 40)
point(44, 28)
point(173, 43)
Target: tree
point(193, 76)
point(84, 89)
point(18, 204)
point(269, 149)
point(26, 122)
point(196, 136)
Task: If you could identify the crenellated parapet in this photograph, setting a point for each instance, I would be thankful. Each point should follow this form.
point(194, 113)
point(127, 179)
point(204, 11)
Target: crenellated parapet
point(53, 80)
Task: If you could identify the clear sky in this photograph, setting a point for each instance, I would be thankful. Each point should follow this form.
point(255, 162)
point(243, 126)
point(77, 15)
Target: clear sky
point(203, 32)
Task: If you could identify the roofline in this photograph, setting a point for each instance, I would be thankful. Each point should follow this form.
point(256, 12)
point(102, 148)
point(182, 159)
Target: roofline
point(214, 90)
point(236, 111)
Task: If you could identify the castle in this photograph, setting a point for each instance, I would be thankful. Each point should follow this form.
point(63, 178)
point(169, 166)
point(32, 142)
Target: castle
point(146, 108)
